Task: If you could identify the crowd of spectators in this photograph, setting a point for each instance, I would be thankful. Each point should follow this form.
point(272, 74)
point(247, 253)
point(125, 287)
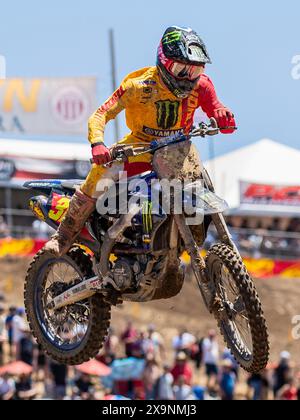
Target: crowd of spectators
point(184, 368)
point(269, 237)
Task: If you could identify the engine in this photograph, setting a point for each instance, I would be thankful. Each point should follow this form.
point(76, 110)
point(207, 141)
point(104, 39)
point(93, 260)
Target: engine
point(126, 273)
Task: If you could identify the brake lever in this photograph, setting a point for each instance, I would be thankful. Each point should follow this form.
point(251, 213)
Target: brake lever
point(121, 154)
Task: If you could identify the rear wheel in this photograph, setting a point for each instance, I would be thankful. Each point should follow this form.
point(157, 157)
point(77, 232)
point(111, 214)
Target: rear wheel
point(74, 334)
point(238, 308)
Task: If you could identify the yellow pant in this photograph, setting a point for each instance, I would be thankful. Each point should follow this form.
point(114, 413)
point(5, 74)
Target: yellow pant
point(95, 183)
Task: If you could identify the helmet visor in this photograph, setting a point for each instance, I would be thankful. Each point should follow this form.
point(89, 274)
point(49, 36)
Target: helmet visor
point(184, 71)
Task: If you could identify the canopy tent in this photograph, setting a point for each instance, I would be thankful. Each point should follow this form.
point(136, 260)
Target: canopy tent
point(44, 149)
point(265, 162)
point(22, 160)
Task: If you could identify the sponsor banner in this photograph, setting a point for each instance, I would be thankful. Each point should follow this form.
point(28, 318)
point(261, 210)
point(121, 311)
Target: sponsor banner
point(265, 268)
point(258, 268)
point(269, 194)
point(57, 106)
point(20, 247)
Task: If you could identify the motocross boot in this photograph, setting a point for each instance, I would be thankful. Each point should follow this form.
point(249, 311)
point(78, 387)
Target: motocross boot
point(81, 207)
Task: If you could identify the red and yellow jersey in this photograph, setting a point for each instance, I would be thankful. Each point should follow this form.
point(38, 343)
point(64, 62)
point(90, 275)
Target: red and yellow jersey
point(152, 111)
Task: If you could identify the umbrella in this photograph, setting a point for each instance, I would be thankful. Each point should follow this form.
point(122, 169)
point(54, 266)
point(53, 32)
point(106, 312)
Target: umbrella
point(16, 369)
point(115, 398)
point(94, 368)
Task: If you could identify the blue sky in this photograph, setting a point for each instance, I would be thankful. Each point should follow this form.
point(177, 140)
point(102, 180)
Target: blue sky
point(251, 43)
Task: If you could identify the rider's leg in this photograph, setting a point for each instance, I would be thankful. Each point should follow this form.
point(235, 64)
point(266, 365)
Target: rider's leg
point(83, 202)
point(81, 207)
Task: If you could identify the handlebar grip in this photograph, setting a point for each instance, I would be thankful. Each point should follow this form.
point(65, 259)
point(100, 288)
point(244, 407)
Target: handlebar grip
point(228, 128)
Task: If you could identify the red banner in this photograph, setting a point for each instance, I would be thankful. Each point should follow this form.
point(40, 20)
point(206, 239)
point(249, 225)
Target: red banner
point(269, 194)
point(265, 268)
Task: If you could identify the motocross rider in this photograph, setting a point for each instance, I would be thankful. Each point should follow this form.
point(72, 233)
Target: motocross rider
point(159, 102)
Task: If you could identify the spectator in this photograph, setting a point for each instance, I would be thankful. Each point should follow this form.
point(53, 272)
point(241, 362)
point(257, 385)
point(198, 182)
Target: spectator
point(24, 388)
point(183, 391)
point(210, 350)
point(259, 386)
point(140, 347)
point(150, 376)
point(283, 372)
point(184, 342)
point(2, 334)
point(110, 349)
point(157, 343)
point(85, 387)
point(164, 386)
point(59, 374)
point(40, 363)
point(7, 388)
point(227, 381)
point(227, 355)
point(27, 348)
point(289, 391)
point(18, 331)
point(197, 355)
point(4, 231)
point(199, 392)
point(129, 337)
point(9, 329)
point(182, 368)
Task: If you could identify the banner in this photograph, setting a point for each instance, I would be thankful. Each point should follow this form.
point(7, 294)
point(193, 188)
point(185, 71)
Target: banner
point(59, 106)
point(258, 268)
point(20, 247)
point(264, 268)
point(269, 194)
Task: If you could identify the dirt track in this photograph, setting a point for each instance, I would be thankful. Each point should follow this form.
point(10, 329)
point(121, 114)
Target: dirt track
point(281, 301)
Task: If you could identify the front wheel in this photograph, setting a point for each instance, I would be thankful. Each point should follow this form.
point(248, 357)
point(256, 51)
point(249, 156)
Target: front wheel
point(238, 308)
point(74, 334)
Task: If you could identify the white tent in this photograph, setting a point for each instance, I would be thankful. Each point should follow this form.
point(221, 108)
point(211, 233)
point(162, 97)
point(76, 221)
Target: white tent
point(265, 162)
point(23, 160)
point(44, 150)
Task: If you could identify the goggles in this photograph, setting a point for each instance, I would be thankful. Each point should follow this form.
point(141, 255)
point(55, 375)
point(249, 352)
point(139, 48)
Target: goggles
point(185, 71)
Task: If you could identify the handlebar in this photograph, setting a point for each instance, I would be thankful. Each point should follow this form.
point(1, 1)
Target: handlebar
point(121, 153)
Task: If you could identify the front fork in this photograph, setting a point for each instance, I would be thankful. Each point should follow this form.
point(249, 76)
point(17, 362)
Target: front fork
point(207, 287)
point(197, 262)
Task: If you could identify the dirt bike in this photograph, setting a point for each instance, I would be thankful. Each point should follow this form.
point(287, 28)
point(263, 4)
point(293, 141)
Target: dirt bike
point(68, 300)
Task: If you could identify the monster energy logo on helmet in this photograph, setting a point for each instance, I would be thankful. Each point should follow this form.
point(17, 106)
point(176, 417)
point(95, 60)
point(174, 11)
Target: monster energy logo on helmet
point(167, 114)
point(170, 37)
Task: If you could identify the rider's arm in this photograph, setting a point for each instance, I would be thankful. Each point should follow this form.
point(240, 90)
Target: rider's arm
point(212, 106)
point(108, 111)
